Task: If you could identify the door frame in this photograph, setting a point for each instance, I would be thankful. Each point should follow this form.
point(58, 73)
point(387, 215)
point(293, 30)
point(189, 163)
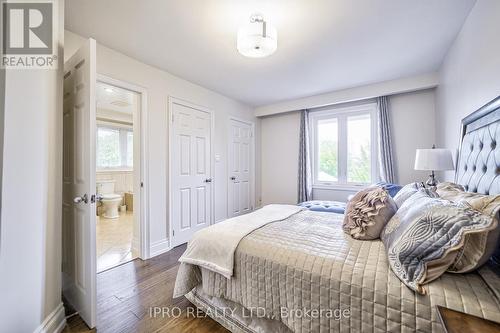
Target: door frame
point(170, 102)
point(252, 161)
point(140, 172)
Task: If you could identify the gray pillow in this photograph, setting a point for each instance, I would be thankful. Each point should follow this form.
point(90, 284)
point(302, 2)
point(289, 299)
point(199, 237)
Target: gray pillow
point(410, 189)
point(425, 236)
point(407, 191)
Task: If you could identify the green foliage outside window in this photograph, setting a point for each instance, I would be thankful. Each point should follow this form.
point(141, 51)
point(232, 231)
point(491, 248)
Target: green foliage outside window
point(358, 166)
point(108, 148)
point(328, 161)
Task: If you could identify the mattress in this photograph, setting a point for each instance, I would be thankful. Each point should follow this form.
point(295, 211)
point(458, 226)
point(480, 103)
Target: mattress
point(290, 269)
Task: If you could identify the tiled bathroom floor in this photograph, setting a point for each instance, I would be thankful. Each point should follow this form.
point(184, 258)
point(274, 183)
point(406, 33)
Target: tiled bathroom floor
point(114, 241)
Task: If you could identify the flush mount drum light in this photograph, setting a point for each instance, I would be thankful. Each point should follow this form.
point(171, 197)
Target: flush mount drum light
point(257, 39)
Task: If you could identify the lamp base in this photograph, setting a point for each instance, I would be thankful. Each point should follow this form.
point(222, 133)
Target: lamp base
point(432, 181)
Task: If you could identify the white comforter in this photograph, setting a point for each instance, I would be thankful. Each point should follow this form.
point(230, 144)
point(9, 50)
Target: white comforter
point(213, 247)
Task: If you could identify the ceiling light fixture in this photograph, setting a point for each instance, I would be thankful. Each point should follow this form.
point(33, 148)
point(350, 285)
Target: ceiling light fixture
point(257, 39)
point(109, 90)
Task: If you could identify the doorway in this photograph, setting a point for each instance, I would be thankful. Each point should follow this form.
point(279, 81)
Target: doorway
point(117, 225)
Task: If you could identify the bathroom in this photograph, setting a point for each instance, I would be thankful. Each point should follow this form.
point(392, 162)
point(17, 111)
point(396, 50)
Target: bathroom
point(116, 234)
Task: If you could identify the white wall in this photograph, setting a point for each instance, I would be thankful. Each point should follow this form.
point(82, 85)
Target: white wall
point(280, 155)
point(160, 85)
point(30, 244)
point(413, 124)
point(470, 74)
point(413, 119)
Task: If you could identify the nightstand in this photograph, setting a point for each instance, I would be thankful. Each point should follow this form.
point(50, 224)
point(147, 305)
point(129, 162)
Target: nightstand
point(459, 322)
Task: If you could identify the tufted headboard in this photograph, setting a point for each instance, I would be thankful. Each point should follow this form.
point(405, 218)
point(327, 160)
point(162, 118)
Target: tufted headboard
point(478, 167)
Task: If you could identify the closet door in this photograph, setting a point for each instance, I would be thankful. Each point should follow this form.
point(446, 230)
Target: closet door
point(190, 174)
point(240, 167)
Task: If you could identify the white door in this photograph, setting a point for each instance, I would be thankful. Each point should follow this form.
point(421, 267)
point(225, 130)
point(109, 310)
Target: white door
point(240, 168)
point(191, 182)
point(79, 257)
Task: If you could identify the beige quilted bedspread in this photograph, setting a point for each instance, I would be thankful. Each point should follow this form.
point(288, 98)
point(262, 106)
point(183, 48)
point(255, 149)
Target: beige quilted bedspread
point(307, 262)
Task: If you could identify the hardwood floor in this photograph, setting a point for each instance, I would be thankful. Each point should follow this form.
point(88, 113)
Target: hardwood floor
point(126, 294)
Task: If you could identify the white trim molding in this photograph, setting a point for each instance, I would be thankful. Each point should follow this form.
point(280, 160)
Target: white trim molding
point(159, 247)
point(54, 322)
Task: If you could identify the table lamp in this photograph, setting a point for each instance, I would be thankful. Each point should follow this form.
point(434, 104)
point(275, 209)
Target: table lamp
point(435, 159)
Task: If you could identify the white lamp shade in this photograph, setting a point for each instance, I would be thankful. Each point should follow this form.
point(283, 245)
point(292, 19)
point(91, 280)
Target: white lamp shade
point(257, 40)
point(434, 159)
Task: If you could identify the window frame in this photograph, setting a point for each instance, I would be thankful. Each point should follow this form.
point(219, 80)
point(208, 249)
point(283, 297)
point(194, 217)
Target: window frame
point(342, 114)
point(122, 137)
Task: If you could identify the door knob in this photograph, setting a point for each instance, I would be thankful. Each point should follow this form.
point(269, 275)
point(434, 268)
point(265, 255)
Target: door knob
point(96, 198)
point(233, 178)
point(208, 180)
point(81, 199)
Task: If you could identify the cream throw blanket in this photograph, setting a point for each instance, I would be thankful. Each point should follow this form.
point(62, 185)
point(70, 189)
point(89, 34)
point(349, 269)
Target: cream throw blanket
point(213, 247)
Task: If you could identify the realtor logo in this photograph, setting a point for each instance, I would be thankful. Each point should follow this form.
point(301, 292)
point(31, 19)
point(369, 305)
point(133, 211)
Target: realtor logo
point(28, 35)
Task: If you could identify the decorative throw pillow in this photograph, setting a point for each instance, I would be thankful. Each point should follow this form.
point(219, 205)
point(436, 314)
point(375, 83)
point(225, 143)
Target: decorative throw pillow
point(479, 247)
point(392, 189)
point(406, 192)
point(368, 212)
point(425, 236)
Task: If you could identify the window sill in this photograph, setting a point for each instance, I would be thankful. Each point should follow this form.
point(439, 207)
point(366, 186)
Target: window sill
point(346, 188)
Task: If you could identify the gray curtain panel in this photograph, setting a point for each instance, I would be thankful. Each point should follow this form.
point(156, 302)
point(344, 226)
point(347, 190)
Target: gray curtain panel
point(305, 175)
point(386, 155)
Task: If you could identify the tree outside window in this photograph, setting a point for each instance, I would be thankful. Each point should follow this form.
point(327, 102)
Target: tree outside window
point(114, 147)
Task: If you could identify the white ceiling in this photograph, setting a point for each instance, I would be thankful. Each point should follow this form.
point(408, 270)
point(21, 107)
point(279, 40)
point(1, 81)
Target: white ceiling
point(323, 45)
point(115, 99)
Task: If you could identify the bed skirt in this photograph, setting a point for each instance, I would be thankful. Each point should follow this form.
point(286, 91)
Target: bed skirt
point(233, 316)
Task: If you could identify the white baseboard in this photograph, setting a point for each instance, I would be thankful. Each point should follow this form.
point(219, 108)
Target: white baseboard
point(55, 321)
point(159, 248)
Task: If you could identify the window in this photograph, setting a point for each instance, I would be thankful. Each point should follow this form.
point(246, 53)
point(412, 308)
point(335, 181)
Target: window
point(115, 147)
point(328, 150)
point(344, 146)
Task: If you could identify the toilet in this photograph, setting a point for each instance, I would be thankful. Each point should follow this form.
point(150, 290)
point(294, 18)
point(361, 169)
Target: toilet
point(110, 200)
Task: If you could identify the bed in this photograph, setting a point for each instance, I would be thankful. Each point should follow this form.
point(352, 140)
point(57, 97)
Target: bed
point(304, 274)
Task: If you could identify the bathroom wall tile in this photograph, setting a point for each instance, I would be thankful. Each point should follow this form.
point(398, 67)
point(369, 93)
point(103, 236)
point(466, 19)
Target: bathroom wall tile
point(124, 180)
